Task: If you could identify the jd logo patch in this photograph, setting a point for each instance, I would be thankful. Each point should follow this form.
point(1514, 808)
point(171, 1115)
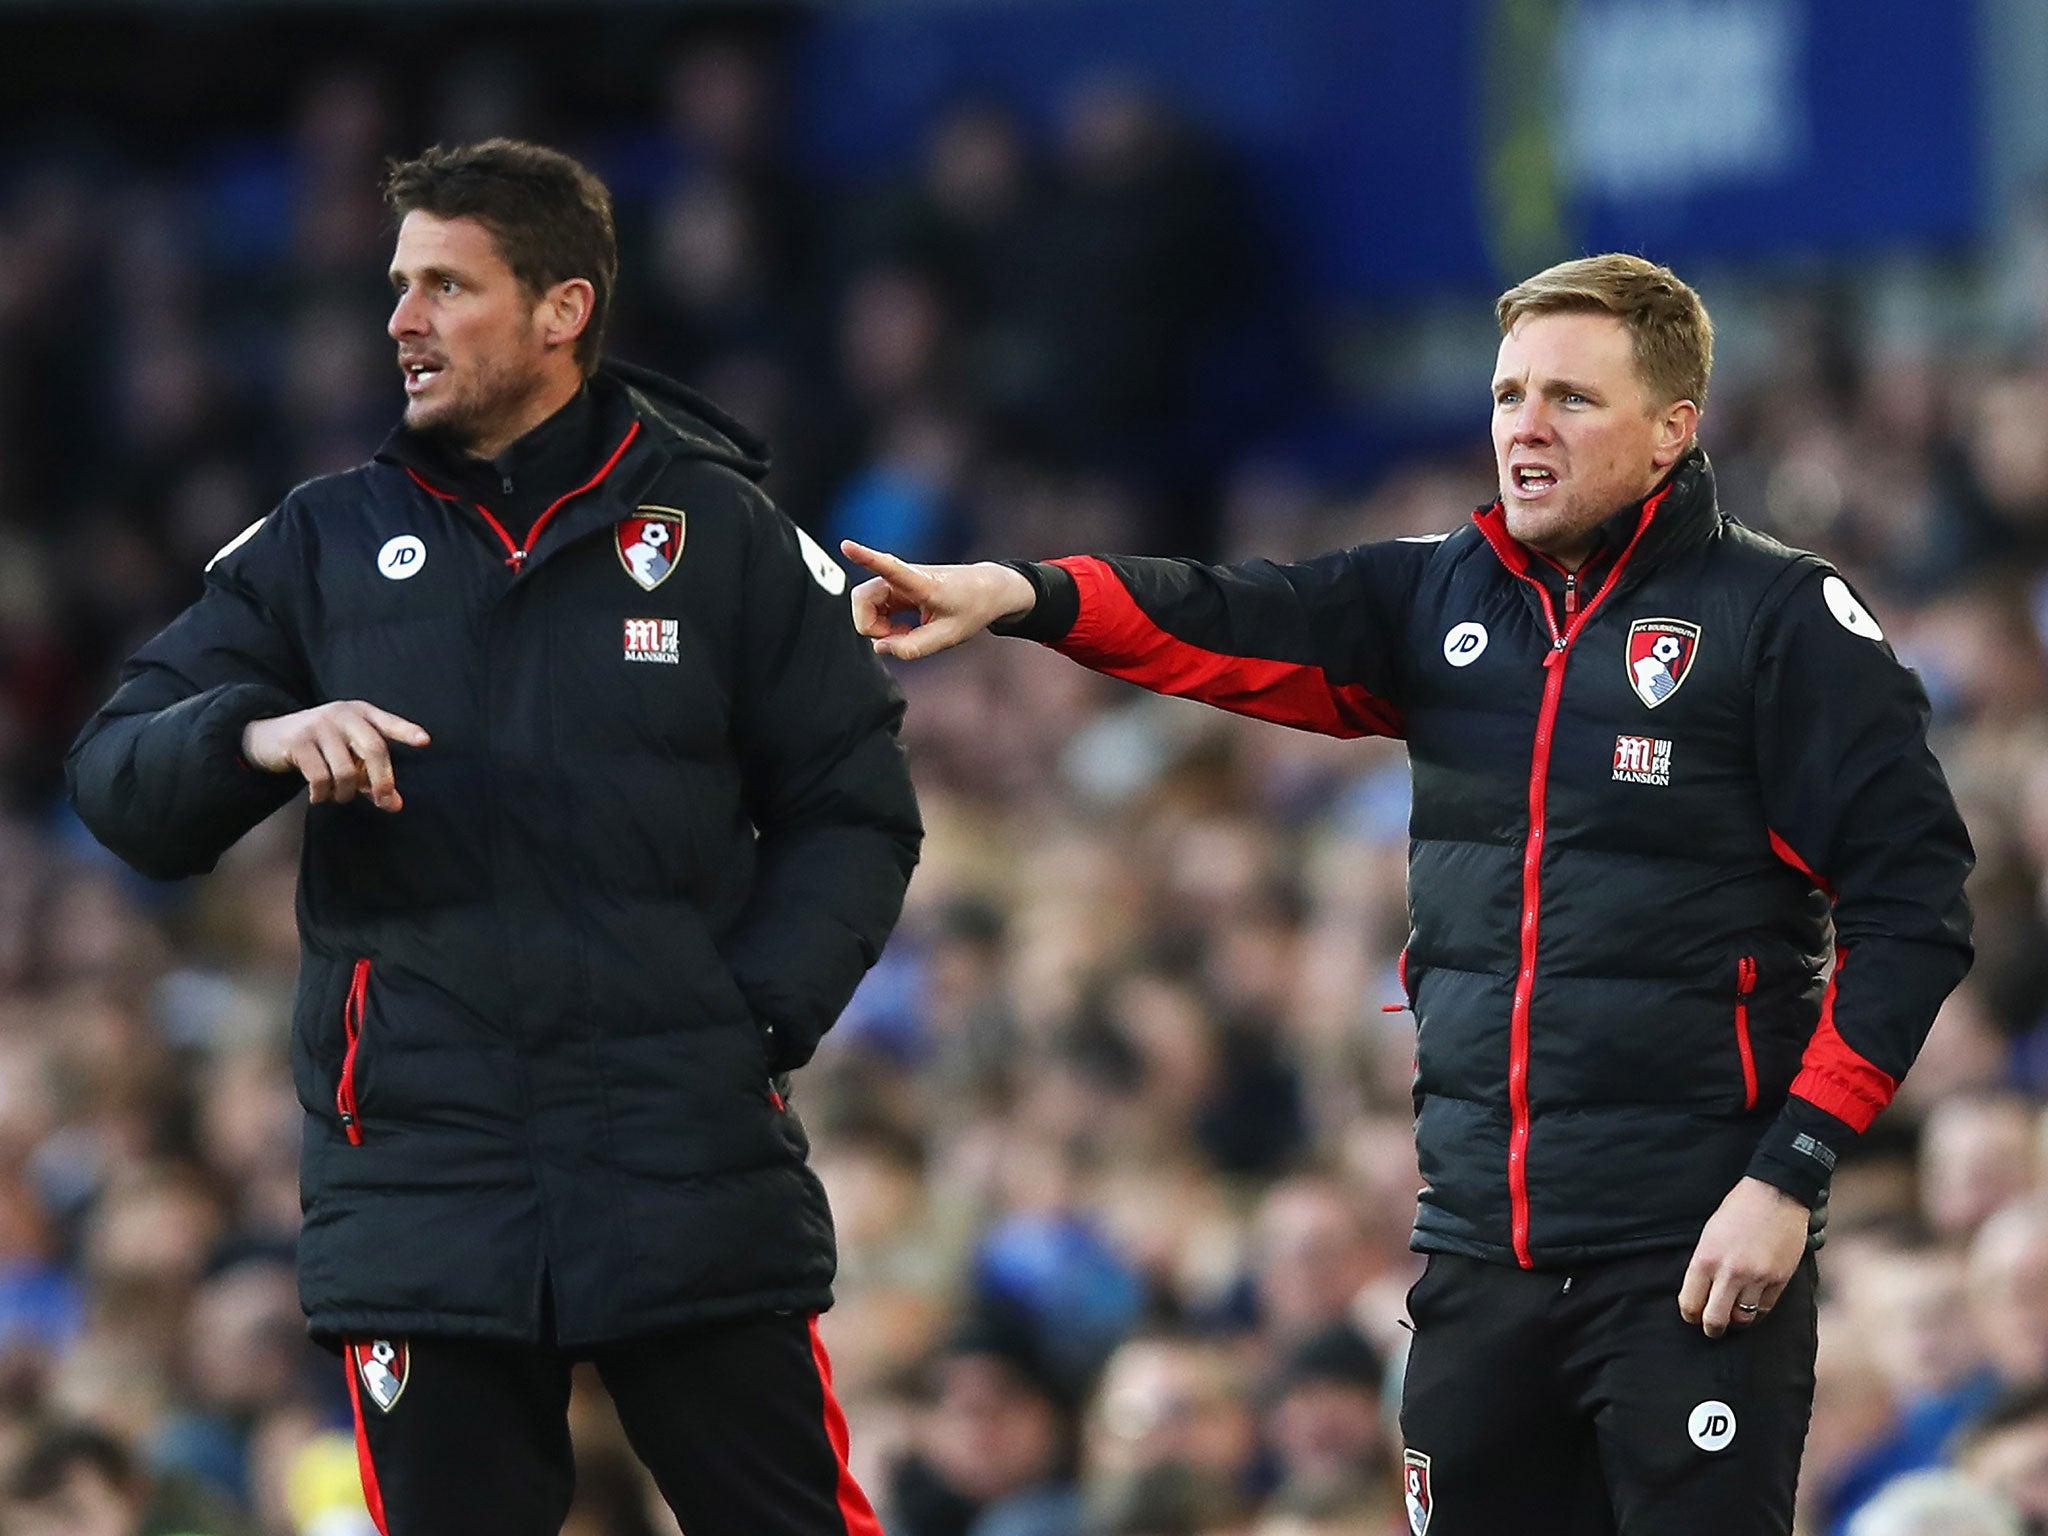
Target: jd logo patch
point(401, 558)
point(1660, 653)
point(384, 1366)
point(649, 543)
point(1711, 1426)
point(1465, 643)
point(1415, 1491)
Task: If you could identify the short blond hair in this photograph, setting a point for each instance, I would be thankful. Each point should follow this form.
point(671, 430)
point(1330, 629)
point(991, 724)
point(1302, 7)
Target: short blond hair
point(1674, 339)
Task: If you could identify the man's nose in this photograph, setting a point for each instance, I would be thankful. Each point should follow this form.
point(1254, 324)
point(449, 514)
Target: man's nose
point(407, 318)
point(1532, 422)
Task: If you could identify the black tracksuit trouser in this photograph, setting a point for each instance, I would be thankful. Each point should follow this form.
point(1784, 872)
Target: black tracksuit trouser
point(1547, 1403)
point(737, 1422)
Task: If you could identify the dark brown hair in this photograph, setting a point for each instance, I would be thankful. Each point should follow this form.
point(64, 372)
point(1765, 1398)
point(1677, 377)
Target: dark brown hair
point(551, 217)
point(1674, 339)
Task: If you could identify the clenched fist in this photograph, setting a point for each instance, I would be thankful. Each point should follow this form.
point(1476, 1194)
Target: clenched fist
point(339, 748)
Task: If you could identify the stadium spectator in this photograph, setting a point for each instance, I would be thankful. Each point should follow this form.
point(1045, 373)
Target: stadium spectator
point(1936, 1504)
point(2009, 1291)
point(995, 1449)
point(2006, 1451)
point(1322, 1425)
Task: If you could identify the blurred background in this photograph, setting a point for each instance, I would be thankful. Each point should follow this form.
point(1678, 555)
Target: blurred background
point(1118, 1131)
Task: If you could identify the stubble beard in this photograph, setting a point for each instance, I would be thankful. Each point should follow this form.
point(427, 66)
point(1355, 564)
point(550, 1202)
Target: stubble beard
point(478, 410)
point(1551, 528)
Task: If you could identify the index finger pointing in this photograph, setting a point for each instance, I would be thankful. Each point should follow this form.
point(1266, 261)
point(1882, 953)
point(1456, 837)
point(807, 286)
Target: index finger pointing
point(903, 576)
point(396, 727)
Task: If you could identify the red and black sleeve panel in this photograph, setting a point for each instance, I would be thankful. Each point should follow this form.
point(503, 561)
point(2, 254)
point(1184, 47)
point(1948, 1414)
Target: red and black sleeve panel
point(1311, 645)
point(1856, 802)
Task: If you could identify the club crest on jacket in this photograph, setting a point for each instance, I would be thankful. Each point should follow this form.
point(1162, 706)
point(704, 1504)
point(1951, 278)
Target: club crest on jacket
point(1659, 655)
point(1415, 1490)
point(649, 544)
point(385, 1365)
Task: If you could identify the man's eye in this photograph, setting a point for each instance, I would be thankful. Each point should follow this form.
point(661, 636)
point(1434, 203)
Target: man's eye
point(1575, 398)
point(449, 285)
point(1507, 397)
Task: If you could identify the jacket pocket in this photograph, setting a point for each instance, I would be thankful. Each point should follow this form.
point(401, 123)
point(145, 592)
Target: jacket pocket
point(1745, 984)
point(352, 1013)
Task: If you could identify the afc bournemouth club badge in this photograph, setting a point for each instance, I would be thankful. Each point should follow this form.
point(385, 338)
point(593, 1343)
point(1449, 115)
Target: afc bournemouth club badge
point(1660, 653)
point(649, 544)
point(384, 1365)
point(1415, 1489)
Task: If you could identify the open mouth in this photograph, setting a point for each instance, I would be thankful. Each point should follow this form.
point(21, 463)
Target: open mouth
point(1534, 480)
point(420, 376)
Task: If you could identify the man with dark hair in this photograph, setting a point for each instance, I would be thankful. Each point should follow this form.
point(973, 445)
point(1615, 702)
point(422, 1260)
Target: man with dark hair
point(1686, 888)
point(608, 817)
point(549, 217)
point(73, 1480)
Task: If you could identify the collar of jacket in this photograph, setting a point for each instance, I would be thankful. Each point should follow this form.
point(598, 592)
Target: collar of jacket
point(1683, 512)
point(648, 424)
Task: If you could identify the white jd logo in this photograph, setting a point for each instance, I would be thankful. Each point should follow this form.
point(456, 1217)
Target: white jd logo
point(402, 557)
point(1464, 644)
point(1711, 1426)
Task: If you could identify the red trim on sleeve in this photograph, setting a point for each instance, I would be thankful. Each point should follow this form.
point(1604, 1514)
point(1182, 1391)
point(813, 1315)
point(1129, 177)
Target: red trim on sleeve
point(1834, 1076)
point(1113, 635)
point(854, 1509)
point(373, 1492)
point(1790, 855)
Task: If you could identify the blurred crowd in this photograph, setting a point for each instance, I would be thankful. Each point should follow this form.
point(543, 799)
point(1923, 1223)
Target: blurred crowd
point(1117, 1133)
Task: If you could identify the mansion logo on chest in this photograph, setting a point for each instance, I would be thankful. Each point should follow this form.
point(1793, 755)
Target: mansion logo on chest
point(1642, 760)
point(658, 640)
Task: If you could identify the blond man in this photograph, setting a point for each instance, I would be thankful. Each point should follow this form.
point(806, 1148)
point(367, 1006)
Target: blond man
point(1686, 890)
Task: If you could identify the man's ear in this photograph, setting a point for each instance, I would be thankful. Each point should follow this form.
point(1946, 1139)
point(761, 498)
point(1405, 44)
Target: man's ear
point(1676, 429)
point(565, 311)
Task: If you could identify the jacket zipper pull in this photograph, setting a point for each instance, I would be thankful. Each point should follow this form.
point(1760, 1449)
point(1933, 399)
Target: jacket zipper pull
point(517, 559)
point(1556, 653)
point(1571, 593)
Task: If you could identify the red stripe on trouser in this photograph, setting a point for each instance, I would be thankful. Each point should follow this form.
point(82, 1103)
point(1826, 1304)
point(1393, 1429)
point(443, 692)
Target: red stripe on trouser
point(373, 1495)
point(854, 1508)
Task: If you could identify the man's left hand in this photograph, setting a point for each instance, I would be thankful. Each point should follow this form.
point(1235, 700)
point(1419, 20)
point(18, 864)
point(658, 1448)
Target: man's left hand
point(1747, 1253)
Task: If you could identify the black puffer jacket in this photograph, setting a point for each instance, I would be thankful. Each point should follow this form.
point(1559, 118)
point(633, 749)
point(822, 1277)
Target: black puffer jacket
point(1653, 799)
point(662, 829)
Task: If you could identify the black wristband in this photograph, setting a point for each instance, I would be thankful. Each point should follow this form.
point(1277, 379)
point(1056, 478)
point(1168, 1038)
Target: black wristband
point(1056, 603)
point(1798, 1152)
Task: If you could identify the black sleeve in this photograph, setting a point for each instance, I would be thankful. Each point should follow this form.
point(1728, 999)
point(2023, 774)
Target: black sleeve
point(1314, 645)
point(828, 788)
point(157, 773)
point(1854, 796)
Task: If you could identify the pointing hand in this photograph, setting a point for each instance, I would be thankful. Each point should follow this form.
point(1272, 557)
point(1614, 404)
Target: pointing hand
point(952, 602)
point(339, 748)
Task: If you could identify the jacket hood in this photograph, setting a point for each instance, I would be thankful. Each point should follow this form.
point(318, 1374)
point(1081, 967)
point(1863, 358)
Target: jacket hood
point(685, 423)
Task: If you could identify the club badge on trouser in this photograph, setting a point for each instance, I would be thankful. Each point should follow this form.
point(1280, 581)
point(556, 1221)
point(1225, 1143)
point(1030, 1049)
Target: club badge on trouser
point(1659, 655)
point(384, 1366)
point(649, 544)
point(1415, 1490)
